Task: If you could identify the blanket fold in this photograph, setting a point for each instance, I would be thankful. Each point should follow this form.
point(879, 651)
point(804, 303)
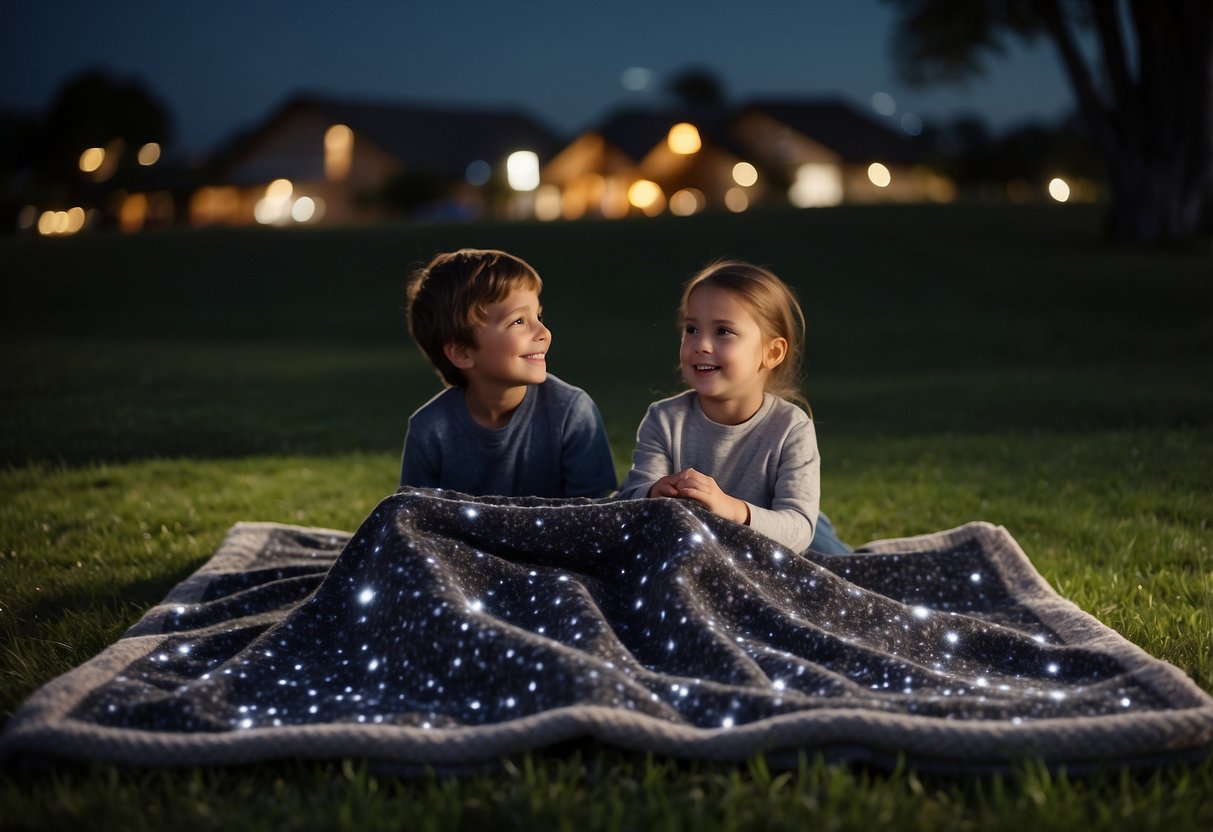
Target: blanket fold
point(450, 630)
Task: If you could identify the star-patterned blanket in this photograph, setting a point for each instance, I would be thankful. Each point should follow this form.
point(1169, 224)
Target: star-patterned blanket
point(454, 631)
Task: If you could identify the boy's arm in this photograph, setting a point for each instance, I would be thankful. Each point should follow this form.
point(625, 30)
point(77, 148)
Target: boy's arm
point(586, 464)
point(420, 465)
point(650, 461)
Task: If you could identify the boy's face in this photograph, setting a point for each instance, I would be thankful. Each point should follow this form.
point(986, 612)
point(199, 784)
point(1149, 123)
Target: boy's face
point(512, 343)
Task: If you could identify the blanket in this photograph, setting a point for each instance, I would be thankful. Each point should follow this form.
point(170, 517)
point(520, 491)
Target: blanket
point(453, 631)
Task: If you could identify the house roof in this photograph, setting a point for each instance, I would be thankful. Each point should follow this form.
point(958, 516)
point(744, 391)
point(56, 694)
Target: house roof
point(840, 127)
point(636, 132)
point(431, 138)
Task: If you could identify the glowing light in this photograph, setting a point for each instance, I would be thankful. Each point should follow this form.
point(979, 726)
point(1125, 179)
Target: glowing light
point(745, 174)
point(92, 159)
point(133, 213)
point(27, 217)
point(911, 124)
point(879, 175)
point(644, 193)
point(149, 154)
point(816, 185)
point(212, 205)
point(338, 152)
point(686, 202)
point(279, 190)
point(268, 211)
point(61, 222)
point(75, 219)
point(636, 78)
point(317, 208)
point(478, 172)
point(547, 203)
point(573, 205)
point(614, 202)
point(522, 170)
point(303, 209)
point(736, 200)
point(684, 139)
point(366, 596)
point(884, 103)
point(1059, 189)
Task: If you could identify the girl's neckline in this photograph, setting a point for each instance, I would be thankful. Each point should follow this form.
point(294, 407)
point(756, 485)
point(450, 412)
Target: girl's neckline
point(768, 400)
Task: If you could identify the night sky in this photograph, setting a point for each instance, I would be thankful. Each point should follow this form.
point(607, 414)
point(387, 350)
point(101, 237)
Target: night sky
point(223, 66)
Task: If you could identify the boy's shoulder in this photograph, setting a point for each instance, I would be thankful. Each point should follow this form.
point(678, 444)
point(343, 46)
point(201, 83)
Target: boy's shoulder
point(440, 410)
point(558, 390)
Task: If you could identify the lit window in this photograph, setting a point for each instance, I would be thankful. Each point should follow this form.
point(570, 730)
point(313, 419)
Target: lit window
point(92, 159)
point(684, 139)
point(736, 200)
point(522, 170)
point(149, 154)
point(686, 202)
point(547, 202)
point(816, 185)
point(1059, 189)
point(879, 175)
point(745, 174)
point(338, 152)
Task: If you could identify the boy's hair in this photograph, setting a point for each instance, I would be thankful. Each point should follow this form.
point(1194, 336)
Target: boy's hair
point(448, 297)
point(774, 306)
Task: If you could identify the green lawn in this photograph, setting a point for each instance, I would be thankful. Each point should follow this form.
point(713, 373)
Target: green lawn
point(963, 362)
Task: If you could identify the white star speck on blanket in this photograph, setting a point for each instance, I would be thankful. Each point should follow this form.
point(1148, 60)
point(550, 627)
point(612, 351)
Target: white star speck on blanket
point(454, 631)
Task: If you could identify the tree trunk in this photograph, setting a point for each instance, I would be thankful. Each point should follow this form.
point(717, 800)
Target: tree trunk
point(1155, 201)
point(1153, 127)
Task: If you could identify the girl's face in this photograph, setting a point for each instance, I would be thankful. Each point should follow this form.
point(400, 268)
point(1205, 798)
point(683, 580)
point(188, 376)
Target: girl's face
point(725, 356)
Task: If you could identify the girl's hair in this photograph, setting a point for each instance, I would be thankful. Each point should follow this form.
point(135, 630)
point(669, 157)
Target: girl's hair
point(774, 305)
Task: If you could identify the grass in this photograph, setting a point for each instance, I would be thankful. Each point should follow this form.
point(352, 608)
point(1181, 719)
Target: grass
point(993, 363)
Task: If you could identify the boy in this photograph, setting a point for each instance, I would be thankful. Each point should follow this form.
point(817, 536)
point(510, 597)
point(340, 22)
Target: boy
point(503, 425)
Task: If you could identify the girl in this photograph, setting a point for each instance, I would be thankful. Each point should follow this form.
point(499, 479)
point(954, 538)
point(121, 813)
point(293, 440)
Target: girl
point(735, 441)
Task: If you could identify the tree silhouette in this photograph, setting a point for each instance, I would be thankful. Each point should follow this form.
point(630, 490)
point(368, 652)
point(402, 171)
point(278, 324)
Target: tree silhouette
point(697, 89)
point(1146, 99)
point(93, 109)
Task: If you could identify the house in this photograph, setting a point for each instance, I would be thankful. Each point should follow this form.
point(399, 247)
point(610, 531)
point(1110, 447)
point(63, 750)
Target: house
point(331, 161)
point(829, 153)
point(806, 152)
point(645, 162)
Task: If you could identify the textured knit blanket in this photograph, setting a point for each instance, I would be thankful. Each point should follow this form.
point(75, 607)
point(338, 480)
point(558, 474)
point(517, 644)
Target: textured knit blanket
point(454, 631)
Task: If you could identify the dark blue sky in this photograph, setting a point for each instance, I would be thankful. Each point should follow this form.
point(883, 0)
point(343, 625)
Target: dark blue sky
point(223, 65)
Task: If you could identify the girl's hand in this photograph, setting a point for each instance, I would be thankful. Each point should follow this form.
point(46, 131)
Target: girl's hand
point(692, 485)
point(667, 486)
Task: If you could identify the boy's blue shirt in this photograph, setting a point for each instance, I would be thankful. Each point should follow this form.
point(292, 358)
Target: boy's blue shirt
point(555, 445)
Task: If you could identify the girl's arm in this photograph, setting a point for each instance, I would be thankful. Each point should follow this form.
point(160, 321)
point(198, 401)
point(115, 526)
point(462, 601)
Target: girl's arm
point(792, 517)
point(651, 460)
